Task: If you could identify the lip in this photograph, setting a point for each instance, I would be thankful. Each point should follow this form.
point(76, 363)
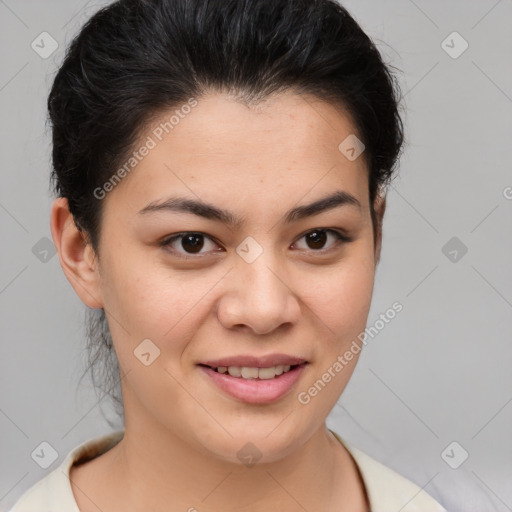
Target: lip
point(254, 391)
point(255, 362)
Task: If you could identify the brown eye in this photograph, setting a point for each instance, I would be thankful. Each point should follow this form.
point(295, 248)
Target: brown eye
point(188, 243)
point(316, 239)
point(192, 243)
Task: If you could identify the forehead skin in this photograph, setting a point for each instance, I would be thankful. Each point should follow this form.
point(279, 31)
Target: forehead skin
point(257, 161)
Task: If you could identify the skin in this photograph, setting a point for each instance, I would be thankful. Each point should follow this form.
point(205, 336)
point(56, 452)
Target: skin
point(182, 433)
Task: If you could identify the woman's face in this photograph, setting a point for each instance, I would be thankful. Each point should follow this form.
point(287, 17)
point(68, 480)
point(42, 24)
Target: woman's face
point(254, 284)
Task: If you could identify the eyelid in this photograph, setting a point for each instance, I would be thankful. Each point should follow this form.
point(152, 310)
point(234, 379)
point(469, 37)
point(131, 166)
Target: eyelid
point(337, 231)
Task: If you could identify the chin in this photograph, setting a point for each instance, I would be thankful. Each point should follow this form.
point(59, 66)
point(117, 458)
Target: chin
point(257, 444)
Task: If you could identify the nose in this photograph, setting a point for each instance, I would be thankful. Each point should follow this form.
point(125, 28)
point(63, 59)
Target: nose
point(259, 298)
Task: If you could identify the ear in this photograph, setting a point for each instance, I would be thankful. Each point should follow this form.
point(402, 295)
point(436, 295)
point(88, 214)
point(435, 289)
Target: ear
point(380, 208)
point(76, 256)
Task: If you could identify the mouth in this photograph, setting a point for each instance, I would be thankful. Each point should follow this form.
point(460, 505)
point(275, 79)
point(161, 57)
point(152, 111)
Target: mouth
point(254, 372)
point(254, 380)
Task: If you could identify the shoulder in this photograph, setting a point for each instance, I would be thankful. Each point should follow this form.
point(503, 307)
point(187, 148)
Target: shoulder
point(387, 489)
point(54, 490)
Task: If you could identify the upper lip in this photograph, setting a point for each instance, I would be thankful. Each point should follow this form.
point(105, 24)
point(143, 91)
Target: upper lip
point(254, 361)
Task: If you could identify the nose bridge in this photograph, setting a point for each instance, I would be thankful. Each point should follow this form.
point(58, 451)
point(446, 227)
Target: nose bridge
point(259, 297)
point(260, 282)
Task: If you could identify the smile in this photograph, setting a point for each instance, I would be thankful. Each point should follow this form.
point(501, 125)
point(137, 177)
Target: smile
point(252, 384)
point(247, 372)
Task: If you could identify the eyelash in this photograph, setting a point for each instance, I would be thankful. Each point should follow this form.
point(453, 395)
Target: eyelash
point(340, 239)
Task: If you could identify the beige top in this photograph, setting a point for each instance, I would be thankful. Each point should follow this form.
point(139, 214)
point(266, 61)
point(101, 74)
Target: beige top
point(387, 490)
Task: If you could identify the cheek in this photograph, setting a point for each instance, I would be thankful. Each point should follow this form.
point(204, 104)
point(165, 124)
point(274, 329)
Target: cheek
point(341, 299)
point(148, 300)
point(144, 292)
point(340, 303)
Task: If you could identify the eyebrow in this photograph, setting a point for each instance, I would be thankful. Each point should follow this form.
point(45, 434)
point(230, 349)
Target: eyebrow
point(209, 211)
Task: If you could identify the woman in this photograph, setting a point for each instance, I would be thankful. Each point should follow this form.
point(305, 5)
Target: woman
point(221, 171)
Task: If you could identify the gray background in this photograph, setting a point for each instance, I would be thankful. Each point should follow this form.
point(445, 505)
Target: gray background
point(439, 372)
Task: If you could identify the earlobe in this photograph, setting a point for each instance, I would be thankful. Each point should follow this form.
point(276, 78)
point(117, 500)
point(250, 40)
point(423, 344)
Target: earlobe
point(76, 256)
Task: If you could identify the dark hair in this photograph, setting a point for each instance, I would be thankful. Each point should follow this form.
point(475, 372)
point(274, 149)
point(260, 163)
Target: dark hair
point(135, 59)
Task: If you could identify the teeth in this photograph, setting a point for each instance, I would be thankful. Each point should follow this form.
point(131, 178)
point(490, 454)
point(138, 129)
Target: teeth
point(246, 372)
point(234, 371)
point(249, 373)
point(267, 373)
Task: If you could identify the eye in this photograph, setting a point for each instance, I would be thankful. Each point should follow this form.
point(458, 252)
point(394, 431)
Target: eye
point(317, 238)
point(189, 243)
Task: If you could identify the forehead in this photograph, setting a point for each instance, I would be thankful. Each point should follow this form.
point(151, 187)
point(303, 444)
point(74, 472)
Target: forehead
point(284, 148)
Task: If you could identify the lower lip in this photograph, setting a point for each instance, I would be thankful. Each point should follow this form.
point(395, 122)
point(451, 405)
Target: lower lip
point(255, 391)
